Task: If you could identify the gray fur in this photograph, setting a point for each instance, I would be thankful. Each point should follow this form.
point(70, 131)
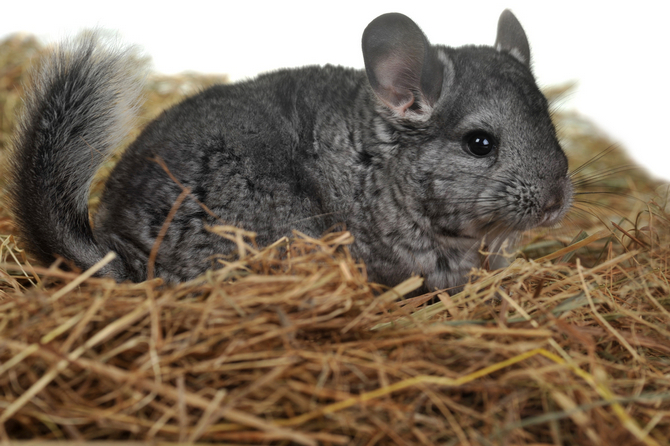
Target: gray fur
point(382, 152)
point(81, 105)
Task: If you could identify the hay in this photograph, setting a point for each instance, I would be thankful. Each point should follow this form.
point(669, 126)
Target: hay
point(291, 345)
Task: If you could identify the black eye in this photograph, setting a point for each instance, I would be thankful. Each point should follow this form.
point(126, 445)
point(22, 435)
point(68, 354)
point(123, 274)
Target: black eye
point(480, 143)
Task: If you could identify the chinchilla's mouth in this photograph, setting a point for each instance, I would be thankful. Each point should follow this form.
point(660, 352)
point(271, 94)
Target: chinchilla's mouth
point(553, 216)
point(550, 219)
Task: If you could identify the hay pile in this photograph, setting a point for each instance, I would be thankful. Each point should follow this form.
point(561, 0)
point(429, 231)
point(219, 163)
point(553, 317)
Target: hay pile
point(290, 344)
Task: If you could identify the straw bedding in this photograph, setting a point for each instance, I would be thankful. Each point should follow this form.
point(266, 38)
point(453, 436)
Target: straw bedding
point(290, 344)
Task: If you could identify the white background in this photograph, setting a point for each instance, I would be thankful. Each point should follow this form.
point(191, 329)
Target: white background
point(618, 55)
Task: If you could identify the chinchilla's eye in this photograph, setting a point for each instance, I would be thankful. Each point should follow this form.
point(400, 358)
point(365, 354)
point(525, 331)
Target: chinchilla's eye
point(480, 143)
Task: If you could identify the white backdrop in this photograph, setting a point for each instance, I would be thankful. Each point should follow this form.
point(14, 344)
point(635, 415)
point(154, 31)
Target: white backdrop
point(617, 55)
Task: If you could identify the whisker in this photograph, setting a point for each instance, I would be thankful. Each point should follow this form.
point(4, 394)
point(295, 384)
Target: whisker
point(601, 219)
point(312, 217)
point(578, 211)
point(592, 160)
point(569, 218)
point(578, 182)
point(618, 194)
point(604, 206)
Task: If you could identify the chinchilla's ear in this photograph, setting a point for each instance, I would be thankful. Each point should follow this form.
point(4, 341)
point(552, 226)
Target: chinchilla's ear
point(401, 65)
point(512, 38)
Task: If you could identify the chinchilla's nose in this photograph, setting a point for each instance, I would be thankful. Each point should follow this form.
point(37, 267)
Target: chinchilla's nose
point(555, 206)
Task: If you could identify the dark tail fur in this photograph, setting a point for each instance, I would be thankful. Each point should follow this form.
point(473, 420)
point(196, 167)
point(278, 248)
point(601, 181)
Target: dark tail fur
point(80, 106)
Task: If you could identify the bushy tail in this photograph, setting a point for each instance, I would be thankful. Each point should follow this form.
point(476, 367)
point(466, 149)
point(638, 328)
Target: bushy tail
point(80, 106)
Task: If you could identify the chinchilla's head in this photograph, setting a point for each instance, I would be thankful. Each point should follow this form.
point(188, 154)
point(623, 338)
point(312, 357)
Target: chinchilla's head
point(469, 128)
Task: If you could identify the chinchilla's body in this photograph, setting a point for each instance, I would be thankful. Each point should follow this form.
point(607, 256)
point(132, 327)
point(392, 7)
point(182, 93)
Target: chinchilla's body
point(423, 156)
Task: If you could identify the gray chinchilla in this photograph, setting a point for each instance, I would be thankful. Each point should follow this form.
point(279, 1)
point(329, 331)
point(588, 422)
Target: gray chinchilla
point(424, 156)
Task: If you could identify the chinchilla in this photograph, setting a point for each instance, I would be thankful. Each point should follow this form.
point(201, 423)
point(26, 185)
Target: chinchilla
point(425, 156)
